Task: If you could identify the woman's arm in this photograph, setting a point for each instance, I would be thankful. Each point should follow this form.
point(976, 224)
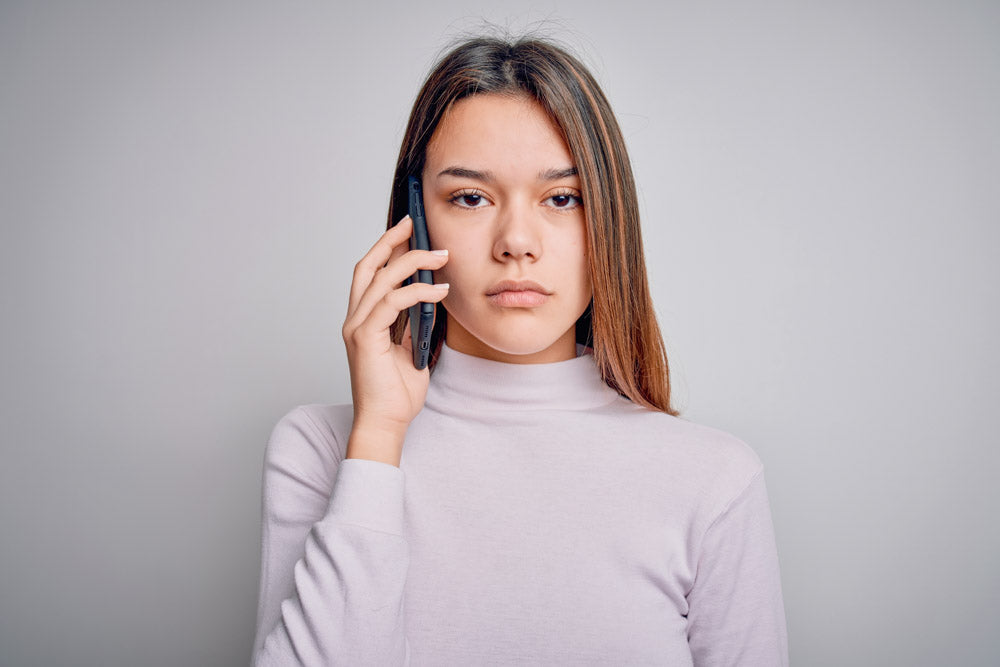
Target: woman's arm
point(333, 565)
point(735, 611)
point(334, 560)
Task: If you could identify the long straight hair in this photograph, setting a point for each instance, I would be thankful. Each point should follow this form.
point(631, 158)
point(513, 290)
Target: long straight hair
point(620, 323)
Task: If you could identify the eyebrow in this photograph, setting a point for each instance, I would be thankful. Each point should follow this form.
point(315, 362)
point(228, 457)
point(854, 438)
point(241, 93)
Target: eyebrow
point(488, 176)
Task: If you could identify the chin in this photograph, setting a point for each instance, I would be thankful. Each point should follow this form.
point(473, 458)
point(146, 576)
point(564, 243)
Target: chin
point(513, 341)
point(518, 347)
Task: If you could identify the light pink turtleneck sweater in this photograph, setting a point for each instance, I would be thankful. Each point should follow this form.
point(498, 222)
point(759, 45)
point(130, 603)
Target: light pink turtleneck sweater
point(536, 518)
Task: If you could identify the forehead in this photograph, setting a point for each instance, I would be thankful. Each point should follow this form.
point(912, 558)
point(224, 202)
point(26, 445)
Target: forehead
point(498, 131)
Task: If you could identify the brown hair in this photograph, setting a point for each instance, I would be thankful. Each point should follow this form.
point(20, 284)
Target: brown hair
point(620, 323)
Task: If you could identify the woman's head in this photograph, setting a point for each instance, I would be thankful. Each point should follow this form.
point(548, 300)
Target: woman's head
point(502, 195)
point(555, 96)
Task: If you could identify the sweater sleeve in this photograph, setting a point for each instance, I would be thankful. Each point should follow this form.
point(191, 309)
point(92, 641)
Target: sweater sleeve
point(334, 559)
point(735, 611)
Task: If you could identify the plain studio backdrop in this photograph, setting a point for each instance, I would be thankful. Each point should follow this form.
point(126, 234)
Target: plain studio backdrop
point(185, 188)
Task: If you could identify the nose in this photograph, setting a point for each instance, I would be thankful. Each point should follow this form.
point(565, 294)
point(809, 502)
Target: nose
point(517, 235)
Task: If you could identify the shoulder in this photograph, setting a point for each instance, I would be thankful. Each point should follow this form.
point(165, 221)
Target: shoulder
point(698, 444)
point(309, 439)
point(713, 465)
point(720, 450)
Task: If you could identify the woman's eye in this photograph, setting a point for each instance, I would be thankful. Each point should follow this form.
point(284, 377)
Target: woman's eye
point(472, 199)
point(564, 201)
point(467, 199)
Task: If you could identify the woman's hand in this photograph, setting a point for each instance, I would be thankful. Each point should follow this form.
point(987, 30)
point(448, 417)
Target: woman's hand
point(388, 391)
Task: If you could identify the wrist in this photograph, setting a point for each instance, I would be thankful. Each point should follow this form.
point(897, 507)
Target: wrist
point(376, 442)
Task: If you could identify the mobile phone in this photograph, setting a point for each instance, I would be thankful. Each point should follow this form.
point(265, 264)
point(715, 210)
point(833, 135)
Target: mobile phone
point(421, 314)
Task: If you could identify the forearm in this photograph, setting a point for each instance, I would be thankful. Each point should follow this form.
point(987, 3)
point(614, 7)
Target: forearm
point(343, 602)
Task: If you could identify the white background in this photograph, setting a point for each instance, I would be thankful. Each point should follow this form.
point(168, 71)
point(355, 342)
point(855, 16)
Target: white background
point(186, 186)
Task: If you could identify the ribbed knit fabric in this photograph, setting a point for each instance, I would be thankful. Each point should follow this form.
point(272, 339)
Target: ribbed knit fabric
point(536, 518)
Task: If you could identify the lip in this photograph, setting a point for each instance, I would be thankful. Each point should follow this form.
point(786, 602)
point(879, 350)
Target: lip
point(518, 294)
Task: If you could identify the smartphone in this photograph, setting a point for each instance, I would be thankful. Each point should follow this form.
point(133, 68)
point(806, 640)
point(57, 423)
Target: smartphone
point(421, 314)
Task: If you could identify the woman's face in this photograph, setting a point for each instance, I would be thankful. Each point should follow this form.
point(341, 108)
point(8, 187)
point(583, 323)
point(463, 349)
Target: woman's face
point(502, 195)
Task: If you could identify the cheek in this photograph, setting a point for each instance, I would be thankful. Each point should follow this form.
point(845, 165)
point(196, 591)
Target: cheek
point(459, 271)
point(462, 252)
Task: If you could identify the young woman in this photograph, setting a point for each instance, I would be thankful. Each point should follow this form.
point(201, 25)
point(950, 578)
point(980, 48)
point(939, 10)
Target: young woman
point(533, 498)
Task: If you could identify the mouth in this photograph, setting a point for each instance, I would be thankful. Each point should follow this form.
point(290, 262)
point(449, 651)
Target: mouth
point(518, 294)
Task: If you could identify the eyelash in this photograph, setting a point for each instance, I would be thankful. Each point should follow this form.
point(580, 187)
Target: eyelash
point(453, 199)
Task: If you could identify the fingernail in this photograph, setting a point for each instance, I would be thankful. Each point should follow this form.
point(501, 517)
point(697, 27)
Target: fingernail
point(440, 252)
point(442, 285)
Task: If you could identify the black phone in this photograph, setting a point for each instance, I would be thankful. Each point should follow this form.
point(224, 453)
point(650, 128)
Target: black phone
point(421, 314)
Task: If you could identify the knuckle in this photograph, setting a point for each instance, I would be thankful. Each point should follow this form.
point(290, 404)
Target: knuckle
point(389, 299)
point(360, 270)
point(356, 337)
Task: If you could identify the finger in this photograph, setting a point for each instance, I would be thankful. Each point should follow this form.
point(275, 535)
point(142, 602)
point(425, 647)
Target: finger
point(392, 304)
point(393, 274)
point(376, 258)
point(397, 252)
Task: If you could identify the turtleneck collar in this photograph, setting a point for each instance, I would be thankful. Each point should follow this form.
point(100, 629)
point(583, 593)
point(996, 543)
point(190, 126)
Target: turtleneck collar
point(461, 382)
